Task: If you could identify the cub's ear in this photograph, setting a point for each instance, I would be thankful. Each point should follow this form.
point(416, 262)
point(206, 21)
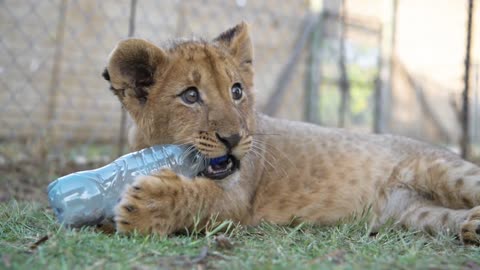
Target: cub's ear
point(131, 68)
point(238, 43)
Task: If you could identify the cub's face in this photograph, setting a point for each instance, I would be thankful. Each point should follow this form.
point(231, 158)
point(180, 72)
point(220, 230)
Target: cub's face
point(195, 92)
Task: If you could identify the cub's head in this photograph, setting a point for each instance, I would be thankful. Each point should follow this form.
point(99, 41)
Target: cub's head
point(193, 92)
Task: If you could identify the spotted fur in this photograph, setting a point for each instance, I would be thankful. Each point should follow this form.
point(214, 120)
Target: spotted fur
point(290, 170)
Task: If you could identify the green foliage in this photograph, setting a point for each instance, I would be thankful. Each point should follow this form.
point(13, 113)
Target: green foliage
point(362, 88)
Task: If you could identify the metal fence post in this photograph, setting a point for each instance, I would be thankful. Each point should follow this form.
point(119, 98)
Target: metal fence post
point(54, 80)
point(465, 140)
point(123, 117)
point(313, 75)
point(344, 82)
point(384, 82)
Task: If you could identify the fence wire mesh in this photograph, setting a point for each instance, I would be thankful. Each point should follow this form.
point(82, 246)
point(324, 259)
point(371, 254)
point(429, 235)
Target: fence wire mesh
point(53, 53)
point(55, 107)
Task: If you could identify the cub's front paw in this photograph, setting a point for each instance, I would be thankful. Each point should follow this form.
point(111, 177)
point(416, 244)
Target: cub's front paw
point(153, 204)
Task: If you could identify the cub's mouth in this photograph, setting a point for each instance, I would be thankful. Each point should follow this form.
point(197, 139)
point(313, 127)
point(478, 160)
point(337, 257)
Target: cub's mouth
point(221, 167)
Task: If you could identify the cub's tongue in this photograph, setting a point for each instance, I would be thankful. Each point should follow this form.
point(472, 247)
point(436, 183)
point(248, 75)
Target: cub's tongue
point(220, 167)
point(219, 162)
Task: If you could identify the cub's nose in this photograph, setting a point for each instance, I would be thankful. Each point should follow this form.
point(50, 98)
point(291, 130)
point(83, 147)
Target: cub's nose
point(230, 141)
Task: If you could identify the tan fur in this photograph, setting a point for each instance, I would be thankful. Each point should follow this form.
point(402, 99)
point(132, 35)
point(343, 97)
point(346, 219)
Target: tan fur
point(289, 170)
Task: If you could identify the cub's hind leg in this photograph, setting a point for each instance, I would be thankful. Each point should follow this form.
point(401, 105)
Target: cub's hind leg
point(436, 194)
point(408, 208)
point(454, 183)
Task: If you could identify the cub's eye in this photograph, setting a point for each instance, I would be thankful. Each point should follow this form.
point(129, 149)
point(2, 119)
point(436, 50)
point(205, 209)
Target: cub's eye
point(190, 95)
point(237, 91)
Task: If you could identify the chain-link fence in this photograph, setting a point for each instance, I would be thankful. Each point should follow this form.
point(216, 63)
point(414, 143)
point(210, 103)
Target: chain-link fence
point(54, 51)
point(331, 65)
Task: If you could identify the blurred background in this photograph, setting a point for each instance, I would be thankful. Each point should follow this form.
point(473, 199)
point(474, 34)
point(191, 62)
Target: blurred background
point(387, 66)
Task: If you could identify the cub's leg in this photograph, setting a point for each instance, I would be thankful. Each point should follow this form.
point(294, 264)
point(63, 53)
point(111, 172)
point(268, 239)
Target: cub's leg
point(435, 195)
point(411, 210)
point(452, 182)
point(165, 203)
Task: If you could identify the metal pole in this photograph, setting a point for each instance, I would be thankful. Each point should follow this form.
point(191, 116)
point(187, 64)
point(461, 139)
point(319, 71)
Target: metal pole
point(388, 102)
point(386, 65)
point(313, 73)
point(378, 112)
point(54, 80)
point(465, 140)
point(344, 83)
point(475, 120)
point(274, 102)
point(123, 117)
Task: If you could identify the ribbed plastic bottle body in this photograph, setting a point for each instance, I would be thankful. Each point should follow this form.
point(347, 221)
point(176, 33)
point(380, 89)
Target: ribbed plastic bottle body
point(89, 197)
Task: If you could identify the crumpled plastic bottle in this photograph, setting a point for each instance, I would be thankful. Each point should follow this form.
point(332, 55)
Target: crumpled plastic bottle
point(89, 197)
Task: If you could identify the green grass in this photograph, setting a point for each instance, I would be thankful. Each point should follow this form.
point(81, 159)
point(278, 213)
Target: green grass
point(345, 246)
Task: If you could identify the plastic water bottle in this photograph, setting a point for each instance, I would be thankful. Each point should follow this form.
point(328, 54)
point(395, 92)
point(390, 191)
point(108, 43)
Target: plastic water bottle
point(89, 197)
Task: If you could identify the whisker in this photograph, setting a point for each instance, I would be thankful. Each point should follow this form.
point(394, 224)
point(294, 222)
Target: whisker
point(264, 134)
point(281, 153)
point(269, 154)
point(256, 164)
point(275, 169)
point(186, 153)
point(260, 153)
point(267, 151)
point(183, 142)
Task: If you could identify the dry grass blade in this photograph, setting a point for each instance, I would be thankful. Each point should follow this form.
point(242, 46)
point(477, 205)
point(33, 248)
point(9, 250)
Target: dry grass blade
point(186, 262)
point(336, 256)
point(223, 242)
point(38, 242)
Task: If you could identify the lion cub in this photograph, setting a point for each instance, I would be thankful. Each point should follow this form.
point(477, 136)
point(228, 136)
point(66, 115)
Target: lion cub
point(201, 93)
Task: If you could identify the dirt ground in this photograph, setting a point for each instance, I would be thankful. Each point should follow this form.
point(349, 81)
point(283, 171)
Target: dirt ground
point(28, 181)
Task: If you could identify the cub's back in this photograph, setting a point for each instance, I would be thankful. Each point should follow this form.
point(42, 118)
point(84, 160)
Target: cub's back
point(307, 167)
